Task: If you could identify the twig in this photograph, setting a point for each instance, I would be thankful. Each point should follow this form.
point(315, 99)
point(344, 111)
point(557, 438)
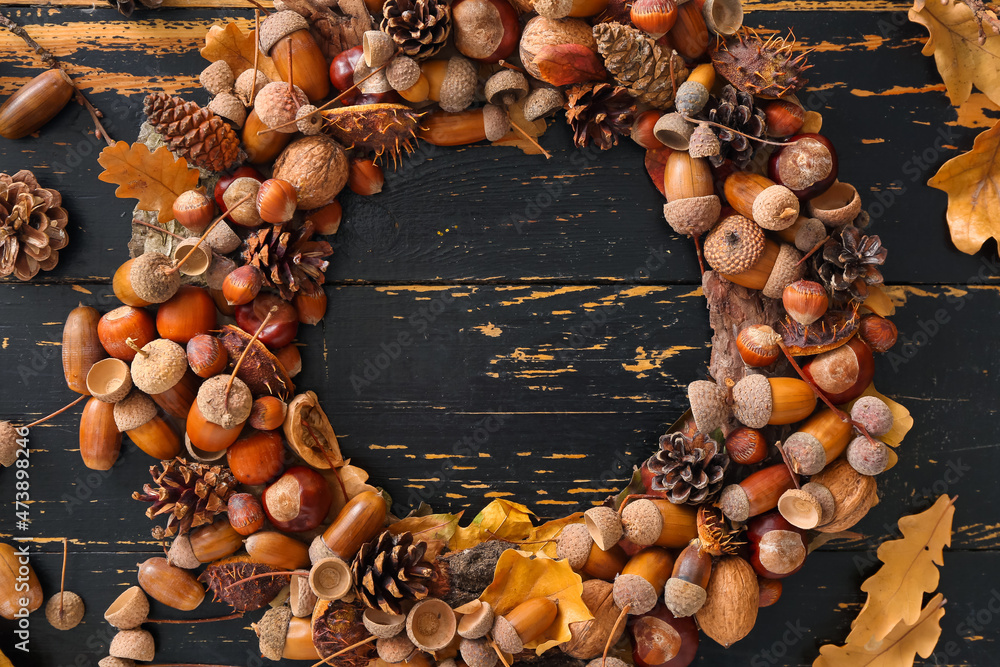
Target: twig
point(531, 139)
point(208, 231)
point(180, 621)
point(239, 362)
point(137, 221)
point(55, 414)
point(62, 578)
point(816, 247)
point(342, 651)
point(696, 121)
point(499, 653)
point(281, 573)
point(261, 8)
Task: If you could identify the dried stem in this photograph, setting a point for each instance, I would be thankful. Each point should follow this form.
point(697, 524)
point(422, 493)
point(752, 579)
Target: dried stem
point(56, 413)
point(983, 14)
point(531, 139)
point(342, 651)
point(813, 249)
point(260, 7)
point(788, 464)
point(697, 121)
point(62, 578)
point(256, 53)
point(180, 621)
point(239, 362)
point(131, 343)
point(51, 62)
point(176, 267)
point(697, 249)
point(499, 653)
point(282, 573)
point(614, 629)
point(136, 221)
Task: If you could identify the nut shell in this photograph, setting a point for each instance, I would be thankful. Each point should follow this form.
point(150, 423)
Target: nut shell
point(271, 630)
point(330, 578)
point(248, 85)
point(134, 645)
point(733, 596)
point(540, 32)
point(383, 624)
point(506, 636)
point(574, 545)
point(752, 401)
point(159, 367)
point(109, 380)
point(604, 526)
point(402, 73)
point(458, 89)
point(673, 131)
point(692, 216)
point(506, 87)
point(776, 208)
point(854, 494)
point(734, 245)
point(541, 102)
point(217, 78)
point(229, 107)
point(112, 661)
point(129, 610)
point(316, 166)
point(431, 625)
point(836, 207)
point(223, 239)
point(873, 414)
point(477, 620)
point(477, 653)
point(683, 598)
point(395, 649)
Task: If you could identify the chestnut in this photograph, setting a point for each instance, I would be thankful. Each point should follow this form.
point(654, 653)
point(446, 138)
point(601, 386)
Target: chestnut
point(806, 165)
point(777, 548)
point(298, 500)
point(280, 330)
point(644, 643)
point(485, 30)
point(842, 374)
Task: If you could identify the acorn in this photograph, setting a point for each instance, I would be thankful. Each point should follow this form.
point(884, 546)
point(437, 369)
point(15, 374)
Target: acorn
point(285, 37)
point(637, 589)
point(181, 553)
point(129, 610)
point(35, 103)
point(872, 413)
point(121, 285)
point(836, 207)
point(134, 644)
point(158, 366)
point(223, 239)
point(703, 142)
point(708, 405)
point(276, 201)
point(208, 436)
point(100, 441)
point(137, 416)
point(770, 205)
point(787, 268)
point(402, 73)
point(383, 624)
point(821, 439)
point(805, 301)
point(746, 446)
point(170, 585)
point(330, 579)
point(583, 555)
point(431, 625)
point(301, 599)
point(277, 550)
point(152, 278)
point(122, 323)
point(658, 521)
point(674, 131)
point(604, 526)
point(81, 347)
point(756, 494)
point(245, 513)
point(734, 245)
point(272, 632)
point(194, 210)
point(206, 355)
point(214, 541)
point(458, 88)
point(868, 456)
point(225, 400)
point(309, 120)
point(524, 623)
point(758, 345)
point(248, 84)
point(759, 401)
point(685, 590)
point(693, 94)
point(230, 107)
point(64, 610)
point(360, 520)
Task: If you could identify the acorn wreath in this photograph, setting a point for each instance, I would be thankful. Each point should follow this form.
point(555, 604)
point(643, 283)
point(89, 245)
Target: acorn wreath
point(198, 369)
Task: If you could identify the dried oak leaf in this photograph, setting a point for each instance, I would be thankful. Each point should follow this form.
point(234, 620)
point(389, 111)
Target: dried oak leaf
point(898, 649)
point(568, 64)
point(519, 577)
point(434, 529)
point(231, 44)
point(896, 591)
point(501, 519)
point(155, 179)
point(879, 301)
point(534, 128)
point(542, 539)
point(221, 575)
point(970, 181)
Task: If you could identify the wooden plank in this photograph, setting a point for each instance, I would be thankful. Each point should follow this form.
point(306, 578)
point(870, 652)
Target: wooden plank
point(545, 394)
point(484, 213)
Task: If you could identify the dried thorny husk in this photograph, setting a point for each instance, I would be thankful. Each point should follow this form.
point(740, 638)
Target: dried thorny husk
point(337, 625)
point(220, 576)
point(759, 67)
point(261, 370)
point(381, 128)
point(828, 332)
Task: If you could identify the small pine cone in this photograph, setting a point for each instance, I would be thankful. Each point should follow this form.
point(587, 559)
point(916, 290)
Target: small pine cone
point(703, 142)
point(689, 469)
point(648, 71)
point(420, 28)
point(191, 494)
point(599, 113)
point(735, 111)
point(391, 569)
point(193, 132)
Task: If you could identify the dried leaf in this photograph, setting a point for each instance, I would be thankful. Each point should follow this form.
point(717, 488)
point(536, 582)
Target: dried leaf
point(656, 165)
point(501, 519)
point(155, 179)
point(970, 181)
point(896, 591)
point(518, 578)
point(634, 486)
point(542, 540)
point(954, 42)
point(568, 64)
point(434, 529)
point(902, 421)
point(220, 576)
point(898, 649)
point(237, 48)
point(879, 301)
point(533, 128)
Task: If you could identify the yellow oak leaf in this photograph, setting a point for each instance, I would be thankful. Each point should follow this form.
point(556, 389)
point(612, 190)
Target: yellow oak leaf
point(501, 519)
point(898, 649)
point(954, 42)
point(971, 182)
point(519, 577)
point(237, 48)
point(434, 529)
point(542, 539)
point(155, 179)
point(896, 591)
point(902, 421)
point(879, 301)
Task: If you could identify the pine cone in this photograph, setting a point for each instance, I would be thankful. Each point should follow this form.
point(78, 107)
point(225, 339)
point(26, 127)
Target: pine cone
point(848, 264)
point(391, 569)
point(736, 110)
point(419, 27)
point(32, 226)
point(289, 260)
point(689, 468)
point(194, 133)
point(640, 64)
point(599, 112)
point(191, 493)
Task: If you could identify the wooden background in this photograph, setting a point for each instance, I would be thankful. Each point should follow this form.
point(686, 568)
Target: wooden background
point(522, 283)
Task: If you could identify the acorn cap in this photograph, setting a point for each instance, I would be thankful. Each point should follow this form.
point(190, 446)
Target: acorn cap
point(8, 444)
point(734, 245)
point(64, 610)
point(308, 120)
point(642, 522)
point(159, 366)
point(477, 653)
point(604, 526)
point(431, 625)
point(867, 457)
point(734, 503)
point(201, 455)
point(395, 649)
point(801, 508)
point(271, 630)
point(553, 9)
point(246, 90)
point(276, 106)
point(148, 280)
point(810, 232)
point(368, 80)
point(496, 122)
point(541, 102)
point(330, 578)
point(109, 380)
point(223, 239)
point(825, 498)
point(214, 405)
point(318, 550)
point(505, 636)
point(301, 599)
point(506, 87)
point(229, 107)
point(133, 411)
point(752, 401)
point(133, 644)
point(786, 271)
point(872, 413)
point(703, 142)
point(458, 88)
point(805, 453)
point(377, 48)
point(181, 553)
point(633, 590)
point(477, 619)
point(112, 661)
point(217, 78)
point(609, 662)
point(691, 98)
point(708, 405)
point(673, 131)
point(276, 26)
point(574, 544)
point(683, 598)
point(402, 73)
point(692, 216)
point(383, 624)
point(838, 206)
point(129, 610)
point(776, 208)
